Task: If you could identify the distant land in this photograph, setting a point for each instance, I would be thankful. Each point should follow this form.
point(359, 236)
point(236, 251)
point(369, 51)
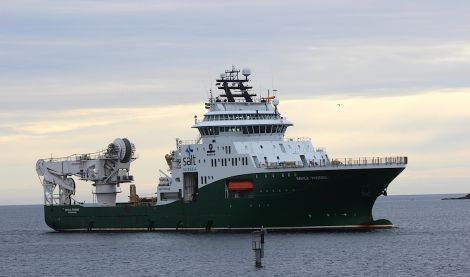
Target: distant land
point(457, 198)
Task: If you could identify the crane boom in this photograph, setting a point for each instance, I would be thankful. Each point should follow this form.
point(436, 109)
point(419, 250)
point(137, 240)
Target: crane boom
point(106, 169)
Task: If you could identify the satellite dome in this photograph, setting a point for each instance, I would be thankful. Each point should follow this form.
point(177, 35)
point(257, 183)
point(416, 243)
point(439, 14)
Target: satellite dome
point(246, 72)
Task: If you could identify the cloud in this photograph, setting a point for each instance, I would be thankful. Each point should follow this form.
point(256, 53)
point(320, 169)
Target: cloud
point(73, 55)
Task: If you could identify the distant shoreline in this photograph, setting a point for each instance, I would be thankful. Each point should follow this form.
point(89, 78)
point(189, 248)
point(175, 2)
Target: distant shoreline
point(457, 198)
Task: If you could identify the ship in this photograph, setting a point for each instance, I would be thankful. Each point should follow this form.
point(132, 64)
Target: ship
point(241, 173)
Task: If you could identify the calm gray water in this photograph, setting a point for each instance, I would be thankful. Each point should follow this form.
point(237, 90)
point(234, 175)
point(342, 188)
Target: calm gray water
point(432, 239)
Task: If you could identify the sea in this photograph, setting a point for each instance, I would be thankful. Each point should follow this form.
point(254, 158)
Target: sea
point(431, 238)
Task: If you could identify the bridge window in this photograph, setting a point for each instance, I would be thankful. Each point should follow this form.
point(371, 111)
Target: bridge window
point(246, 129)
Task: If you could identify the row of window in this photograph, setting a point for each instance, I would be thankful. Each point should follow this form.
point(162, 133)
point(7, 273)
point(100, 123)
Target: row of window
point(240, 117)
point(229, 161)
point(249, 129)
point(205, 178)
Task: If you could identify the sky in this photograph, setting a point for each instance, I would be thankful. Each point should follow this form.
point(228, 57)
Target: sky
point(75, 75)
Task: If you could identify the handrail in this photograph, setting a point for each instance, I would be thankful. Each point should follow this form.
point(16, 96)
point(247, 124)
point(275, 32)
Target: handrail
point(343, 162)
point(369, 161)
point(77, 157)
point(298, 139)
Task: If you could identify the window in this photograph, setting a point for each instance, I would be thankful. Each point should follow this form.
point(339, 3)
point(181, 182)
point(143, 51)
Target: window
point(169, 195)
point(256, 162)
point(212, 131)
point(245, 130)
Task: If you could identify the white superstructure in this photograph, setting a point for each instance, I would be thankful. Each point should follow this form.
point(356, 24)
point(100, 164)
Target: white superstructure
point(240, 134)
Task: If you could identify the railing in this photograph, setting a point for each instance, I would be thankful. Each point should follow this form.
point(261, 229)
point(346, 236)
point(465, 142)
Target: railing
point(298, 139)
point(288, 164)
point(247, 116)
point(78, 157)
point(369, 161)
point(344, 162)
point(190, 141)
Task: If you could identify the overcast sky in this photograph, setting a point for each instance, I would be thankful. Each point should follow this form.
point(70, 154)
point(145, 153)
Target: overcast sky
point(76, 74)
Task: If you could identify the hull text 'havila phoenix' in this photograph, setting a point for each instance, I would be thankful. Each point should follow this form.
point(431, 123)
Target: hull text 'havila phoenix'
point(241, 173)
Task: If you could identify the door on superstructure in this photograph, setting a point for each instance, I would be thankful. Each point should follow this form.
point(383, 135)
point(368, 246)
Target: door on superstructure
point(304, 160)
point(190, 186)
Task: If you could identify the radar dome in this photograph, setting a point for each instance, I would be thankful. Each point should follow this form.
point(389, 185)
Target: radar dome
point(275, 101)
point(246, 72)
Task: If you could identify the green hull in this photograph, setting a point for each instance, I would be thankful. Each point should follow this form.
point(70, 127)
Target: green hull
point(319, 199)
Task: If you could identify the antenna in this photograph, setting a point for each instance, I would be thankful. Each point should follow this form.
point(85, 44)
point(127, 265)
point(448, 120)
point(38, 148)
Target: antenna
point(234, 86)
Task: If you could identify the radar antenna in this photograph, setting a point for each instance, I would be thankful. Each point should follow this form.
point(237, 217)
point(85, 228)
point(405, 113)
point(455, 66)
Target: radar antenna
point(230, 80)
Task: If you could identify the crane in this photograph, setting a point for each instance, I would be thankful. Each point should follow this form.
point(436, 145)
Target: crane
point(106, 169)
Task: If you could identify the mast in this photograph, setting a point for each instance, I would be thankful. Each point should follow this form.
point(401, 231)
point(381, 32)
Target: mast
point(231, 81)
